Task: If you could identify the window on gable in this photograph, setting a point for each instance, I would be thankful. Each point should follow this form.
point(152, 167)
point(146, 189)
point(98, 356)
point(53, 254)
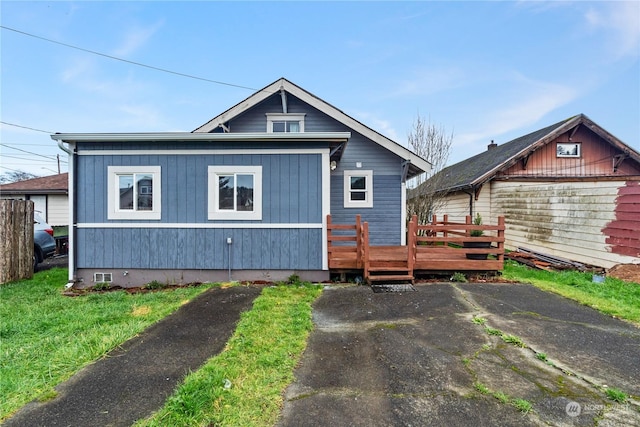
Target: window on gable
point(235, 192)
point(134, 192)
point(358, 189)
point(285, 123)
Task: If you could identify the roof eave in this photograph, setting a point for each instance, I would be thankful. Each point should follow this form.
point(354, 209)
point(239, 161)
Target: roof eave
point(189, 136)
point(321, 105)
point(34, 191)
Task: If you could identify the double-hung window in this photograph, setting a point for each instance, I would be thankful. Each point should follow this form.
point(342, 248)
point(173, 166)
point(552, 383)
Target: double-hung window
point(358, 189)
point(285, 123)
point(134, 192)
point(235, 192)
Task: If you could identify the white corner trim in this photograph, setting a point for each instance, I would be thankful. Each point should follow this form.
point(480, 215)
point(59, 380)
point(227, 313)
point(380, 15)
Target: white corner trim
point(326, 206)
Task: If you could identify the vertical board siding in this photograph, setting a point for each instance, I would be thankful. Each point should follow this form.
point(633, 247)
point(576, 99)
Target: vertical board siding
point(291, 194)
point(384, 218)
point(157, 248)
point(290, 181)
point(560, 219)
point(596, 159)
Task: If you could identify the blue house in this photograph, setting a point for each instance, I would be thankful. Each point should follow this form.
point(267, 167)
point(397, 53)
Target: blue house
point(244, 196)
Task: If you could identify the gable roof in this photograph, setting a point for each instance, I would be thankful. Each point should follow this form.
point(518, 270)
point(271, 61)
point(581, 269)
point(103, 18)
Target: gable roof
point(53, 184)
point(416, 164)
point(482, 167)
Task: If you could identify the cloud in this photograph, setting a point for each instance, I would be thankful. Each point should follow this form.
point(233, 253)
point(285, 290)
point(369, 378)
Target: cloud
point(77, 69)
point(379, 125)
point(429, 80)
point(139, 116)
point(621, 23)
point(135, 38)
point(534, 101)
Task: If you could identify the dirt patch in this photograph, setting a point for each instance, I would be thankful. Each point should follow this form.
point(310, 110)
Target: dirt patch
point(626, 272)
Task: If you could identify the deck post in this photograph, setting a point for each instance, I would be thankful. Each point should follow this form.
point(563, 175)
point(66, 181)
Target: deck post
point(358, 241)
point(411, 244)
point(365, 250)
point(445, 220)
point(329, 241)
point(501, 239)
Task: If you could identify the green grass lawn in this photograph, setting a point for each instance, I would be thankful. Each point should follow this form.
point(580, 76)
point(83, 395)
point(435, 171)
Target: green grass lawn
point(613, 297)
point(46, 337)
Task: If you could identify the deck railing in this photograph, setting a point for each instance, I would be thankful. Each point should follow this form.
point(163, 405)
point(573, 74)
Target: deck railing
point(441, 245)
point(448, 245)
point(345, 244)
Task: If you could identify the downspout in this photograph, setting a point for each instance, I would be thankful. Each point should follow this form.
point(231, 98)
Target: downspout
point(471, 196)
point(72, 209)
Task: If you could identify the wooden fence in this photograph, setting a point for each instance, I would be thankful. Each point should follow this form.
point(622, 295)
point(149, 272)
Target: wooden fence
point(16, 238)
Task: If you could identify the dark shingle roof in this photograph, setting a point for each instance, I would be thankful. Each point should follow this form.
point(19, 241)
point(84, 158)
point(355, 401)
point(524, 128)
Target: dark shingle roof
point(480, 168)
point(45, 185)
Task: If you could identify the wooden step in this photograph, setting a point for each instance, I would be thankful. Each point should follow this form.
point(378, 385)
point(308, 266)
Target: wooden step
point(388, 269)
point(380, 278)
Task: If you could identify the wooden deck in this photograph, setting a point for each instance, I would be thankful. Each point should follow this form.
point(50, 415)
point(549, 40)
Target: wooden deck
point(434, 247)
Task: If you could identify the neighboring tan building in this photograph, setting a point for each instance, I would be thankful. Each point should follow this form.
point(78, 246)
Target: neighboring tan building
point(570, 190)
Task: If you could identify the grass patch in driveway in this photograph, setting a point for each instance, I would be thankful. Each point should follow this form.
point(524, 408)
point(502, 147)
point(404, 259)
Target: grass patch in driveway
point(243, 385)
point(613, 297)
point(46, 337)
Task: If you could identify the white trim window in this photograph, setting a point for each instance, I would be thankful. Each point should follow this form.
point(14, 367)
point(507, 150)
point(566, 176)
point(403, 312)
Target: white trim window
point(235, 192)
point(134, 192)
point(285, 123)
point(358, 189)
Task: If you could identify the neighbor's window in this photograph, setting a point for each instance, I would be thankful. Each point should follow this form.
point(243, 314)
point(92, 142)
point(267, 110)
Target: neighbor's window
point(285, 123)
point(134, 192)
point(568, 149)
point(358, 189)
point(235, 192)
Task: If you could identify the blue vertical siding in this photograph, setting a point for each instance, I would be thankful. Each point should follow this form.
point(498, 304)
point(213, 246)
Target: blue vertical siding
point(384, 218)
point(291, 185)
point(159, 248)
point(291, 195)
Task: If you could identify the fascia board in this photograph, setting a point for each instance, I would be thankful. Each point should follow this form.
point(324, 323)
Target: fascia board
point(189, 136)
point(362, 129)
point(323, 106)
point(240, 108)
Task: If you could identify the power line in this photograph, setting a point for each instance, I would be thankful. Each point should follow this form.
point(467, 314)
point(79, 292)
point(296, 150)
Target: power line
point(20, 144)
point(5, 156)
point(30, 152)
point(15, 170)
point(164, 70)
point(25, 127)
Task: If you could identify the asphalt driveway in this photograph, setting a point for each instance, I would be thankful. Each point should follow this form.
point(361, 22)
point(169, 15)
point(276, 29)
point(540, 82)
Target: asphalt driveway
point(419, 358)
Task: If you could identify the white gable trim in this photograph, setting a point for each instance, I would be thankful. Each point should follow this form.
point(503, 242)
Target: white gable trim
point(321, 105)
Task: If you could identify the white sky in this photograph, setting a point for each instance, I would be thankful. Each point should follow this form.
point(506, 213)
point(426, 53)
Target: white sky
point(483, 70)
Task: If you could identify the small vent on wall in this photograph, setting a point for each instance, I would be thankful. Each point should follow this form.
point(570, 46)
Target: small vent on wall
point(102, 277)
